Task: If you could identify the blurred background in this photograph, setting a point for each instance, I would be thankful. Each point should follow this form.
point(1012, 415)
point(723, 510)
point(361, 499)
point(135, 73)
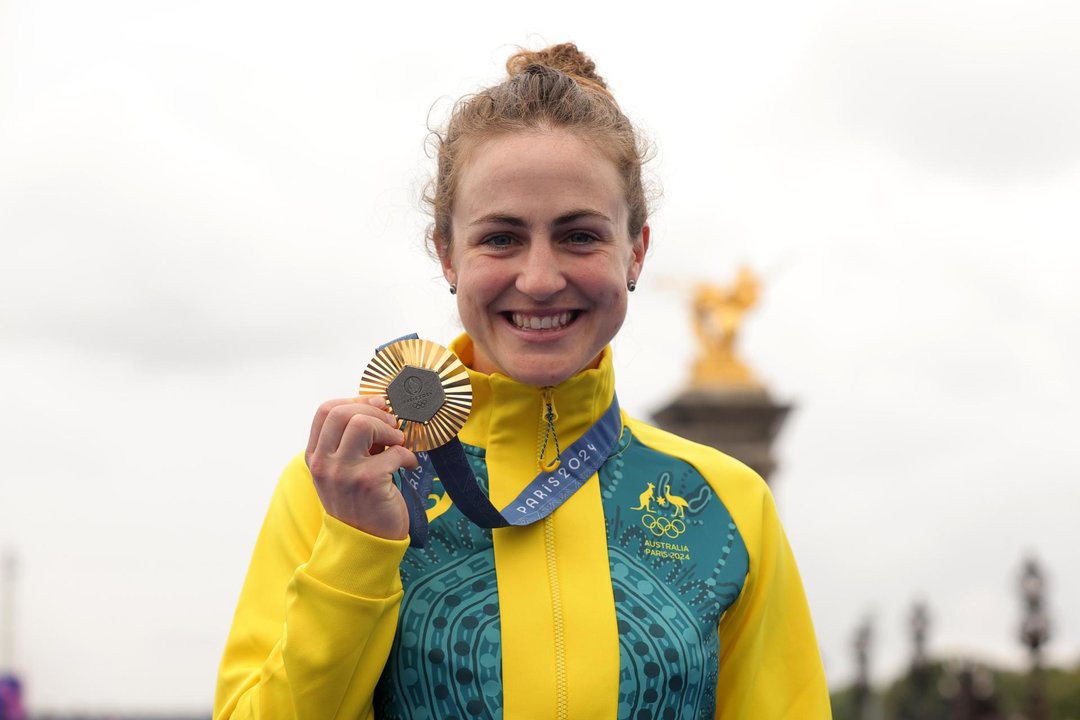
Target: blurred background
point(210, 215)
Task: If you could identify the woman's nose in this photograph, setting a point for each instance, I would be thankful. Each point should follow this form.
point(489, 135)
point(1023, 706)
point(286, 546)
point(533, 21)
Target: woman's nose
point(541, 276)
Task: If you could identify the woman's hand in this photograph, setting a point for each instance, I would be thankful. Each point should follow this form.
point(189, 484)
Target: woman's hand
point(353, 451)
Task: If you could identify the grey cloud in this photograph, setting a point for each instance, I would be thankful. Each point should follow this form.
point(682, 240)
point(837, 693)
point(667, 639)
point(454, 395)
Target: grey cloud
point(147, 241)
point(984, 93)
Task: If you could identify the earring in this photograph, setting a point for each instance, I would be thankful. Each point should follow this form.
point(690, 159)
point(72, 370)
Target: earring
point(631, 285)
point(453, 288)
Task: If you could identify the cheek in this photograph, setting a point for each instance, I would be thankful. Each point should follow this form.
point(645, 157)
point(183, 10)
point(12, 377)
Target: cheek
point(609, 283)
point(613, 300)
point(479, 284)
point(610, 302)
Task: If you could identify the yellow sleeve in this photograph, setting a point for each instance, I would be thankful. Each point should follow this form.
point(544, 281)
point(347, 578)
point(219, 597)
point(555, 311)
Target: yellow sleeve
point(770, 667)
point(316, 616)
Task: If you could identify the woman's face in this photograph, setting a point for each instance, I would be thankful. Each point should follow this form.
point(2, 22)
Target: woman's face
point(541, 254)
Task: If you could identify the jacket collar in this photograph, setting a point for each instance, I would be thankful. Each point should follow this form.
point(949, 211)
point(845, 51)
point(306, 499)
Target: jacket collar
point(504, 408)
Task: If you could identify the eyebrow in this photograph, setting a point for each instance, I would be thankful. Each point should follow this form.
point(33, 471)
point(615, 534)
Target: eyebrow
point(514, 221)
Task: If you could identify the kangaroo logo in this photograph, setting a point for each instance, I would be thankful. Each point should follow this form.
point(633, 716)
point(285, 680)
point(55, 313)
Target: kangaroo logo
point(659, 522)
point(646, 498)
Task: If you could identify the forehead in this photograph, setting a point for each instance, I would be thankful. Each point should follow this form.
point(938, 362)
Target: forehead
point(537, 171)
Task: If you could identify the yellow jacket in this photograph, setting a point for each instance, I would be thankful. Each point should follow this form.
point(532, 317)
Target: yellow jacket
point(663, 588)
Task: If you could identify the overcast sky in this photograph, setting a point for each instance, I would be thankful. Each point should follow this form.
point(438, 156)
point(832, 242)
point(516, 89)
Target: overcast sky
point(209, 216)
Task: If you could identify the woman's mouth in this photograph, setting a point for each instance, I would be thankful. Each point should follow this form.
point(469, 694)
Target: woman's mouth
point(542, 321)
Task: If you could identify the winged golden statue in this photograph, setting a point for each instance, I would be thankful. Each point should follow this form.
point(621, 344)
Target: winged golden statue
point(718, 314)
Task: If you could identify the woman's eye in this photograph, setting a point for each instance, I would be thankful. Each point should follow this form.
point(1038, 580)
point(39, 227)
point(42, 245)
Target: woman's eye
point(580, 238)
point(499, 241)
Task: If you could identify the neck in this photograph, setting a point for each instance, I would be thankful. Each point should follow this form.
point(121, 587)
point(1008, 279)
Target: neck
point(503, 404)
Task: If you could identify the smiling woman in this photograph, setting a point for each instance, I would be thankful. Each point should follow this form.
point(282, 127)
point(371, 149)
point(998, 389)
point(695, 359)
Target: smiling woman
point(543, 256)
point(657, 584)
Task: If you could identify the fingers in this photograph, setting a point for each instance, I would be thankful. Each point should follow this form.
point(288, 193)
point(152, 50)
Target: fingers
point(362, 436)
point(333, 416)
point(389, 461)
point(317, 423)
point(406, 458)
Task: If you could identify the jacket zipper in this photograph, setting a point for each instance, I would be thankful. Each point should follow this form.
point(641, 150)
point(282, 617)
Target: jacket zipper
point(561, 712)
point(548, 416)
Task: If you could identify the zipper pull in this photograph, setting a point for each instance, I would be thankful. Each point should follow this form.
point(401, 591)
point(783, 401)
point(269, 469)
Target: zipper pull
point(548, 417)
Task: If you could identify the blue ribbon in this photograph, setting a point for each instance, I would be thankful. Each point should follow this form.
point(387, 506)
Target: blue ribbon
point(540, 498)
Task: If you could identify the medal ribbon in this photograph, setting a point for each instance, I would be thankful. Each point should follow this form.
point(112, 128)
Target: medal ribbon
point(547, 491)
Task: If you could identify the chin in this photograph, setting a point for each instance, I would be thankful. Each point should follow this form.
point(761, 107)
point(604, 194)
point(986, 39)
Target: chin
point(536, 375)
point(542, 372)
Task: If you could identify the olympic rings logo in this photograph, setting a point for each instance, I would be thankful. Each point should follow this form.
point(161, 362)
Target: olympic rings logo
point(661, 526)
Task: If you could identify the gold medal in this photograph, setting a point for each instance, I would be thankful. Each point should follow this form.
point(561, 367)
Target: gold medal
point(426, 386)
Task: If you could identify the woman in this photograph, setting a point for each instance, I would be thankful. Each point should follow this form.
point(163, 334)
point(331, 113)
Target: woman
point(662, 588)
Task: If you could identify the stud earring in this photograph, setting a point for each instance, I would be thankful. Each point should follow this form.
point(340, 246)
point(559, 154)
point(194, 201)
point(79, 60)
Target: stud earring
point(631, 285)
point(453, 288)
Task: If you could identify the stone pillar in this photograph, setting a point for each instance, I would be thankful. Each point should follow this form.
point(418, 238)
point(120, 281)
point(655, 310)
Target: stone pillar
point(739, 421)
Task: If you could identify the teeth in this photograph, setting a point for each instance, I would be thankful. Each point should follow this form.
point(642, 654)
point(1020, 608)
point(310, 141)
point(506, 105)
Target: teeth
point(536, 322)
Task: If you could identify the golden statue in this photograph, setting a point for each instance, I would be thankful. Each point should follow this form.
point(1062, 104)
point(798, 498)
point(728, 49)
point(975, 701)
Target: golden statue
point(718, 314)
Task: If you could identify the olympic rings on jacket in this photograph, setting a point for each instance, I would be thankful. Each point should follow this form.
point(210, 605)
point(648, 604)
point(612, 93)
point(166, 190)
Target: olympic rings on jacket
point(662, 526)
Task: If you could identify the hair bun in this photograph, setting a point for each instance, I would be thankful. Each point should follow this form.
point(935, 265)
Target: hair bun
point(564, 57)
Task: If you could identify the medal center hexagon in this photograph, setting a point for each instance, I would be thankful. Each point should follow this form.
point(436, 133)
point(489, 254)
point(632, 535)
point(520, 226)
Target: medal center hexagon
point(416, 394)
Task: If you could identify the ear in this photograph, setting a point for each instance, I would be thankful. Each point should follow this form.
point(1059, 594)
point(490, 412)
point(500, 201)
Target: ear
point(638, 250)
point(444, 259)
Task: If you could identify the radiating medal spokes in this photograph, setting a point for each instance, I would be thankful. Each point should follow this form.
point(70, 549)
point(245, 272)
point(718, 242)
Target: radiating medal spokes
point(426, 386)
